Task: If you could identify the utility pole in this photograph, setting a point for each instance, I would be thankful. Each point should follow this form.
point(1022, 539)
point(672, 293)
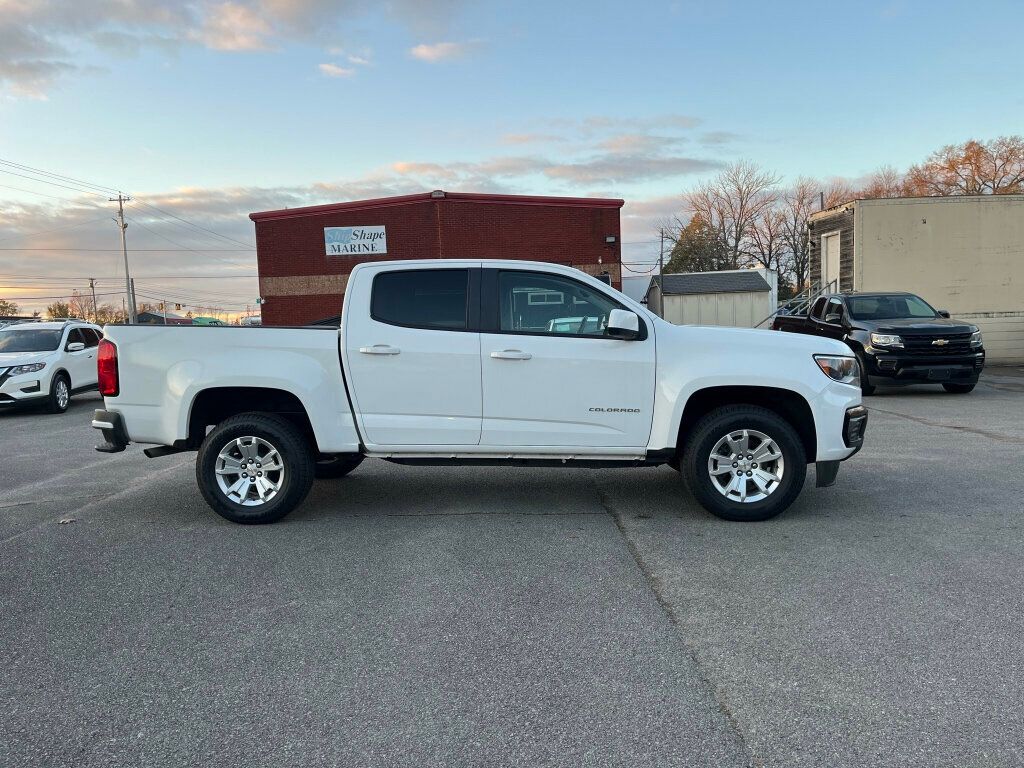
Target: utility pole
point(95, 312)
point(121, 200)
point(661, 275)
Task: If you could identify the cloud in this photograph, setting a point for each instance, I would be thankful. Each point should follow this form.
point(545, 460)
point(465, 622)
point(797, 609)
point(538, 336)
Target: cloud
point(42, 41)
point(333, 70)
point(435, 52)
point(639, 142)
point(531, 138)
point(629, 168)
point(234, 27)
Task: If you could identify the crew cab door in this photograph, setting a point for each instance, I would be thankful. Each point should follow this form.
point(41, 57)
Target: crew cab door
point(551, 377)
point(413, 356)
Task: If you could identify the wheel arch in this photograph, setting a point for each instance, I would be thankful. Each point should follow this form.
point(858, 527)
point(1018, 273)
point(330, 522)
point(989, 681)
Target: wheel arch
point(215, 404)
point(790, 405)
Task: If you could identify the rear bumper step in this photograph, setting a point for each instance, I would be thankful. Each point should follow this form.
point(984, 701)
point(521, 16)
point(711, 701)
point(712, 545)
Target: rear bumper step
point(115, 436)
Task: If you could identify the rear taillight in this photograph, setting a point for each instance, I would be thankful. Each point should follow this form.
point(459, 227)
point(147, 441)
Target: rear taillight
point(106, 368)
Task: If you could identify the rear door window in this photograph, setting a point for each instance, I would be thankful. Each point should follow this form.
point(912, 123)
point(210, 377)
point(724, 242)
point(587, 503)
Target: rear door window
point(434, 299)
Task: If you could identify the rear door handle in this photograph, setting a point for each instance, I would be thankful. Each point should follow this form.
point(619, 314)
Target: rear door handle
point(380, 349)
point(511, 354)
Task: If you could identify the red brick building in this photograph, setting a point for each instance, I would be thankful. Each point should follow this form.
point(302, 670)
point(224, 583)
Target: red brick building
point(305, 255)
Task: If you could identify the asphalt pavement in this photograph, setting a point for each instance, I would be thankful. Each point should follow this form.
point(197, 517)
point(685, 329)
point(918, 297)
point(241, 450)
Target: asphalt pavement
point(491, 616)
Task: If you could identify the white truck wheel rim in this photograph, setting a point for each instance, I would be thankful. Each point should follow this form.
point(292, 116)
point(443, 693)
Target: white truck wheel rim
point(746, 466)
point(249, 471)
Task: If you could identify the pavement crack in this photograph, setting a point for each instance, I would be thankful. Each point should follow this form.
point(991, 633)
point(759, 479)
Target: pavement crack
point(973, 430)
point(658, 590)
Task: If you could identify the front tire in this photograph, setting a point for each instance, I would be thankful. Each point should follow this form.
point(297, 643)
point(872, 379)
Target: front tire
point(254, 468)
point(60, 394)
point(959, 389)
point(744, 463)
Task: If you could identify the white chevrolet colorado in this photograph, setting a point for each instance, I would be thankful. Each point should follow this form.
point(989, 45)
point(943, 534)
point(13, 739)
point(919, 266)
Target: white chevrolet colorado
point(496, 362)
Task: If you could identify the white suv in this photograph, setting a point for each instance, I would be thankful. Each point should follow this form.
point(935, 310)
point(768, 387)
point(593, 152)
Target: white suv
point(46, 363)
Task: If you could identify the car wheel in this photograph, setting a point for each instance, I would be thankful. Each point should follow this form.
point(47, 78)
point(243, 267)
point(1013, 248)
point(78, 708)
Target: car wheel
point(254, 468)
point(744, 463)
point(60, 394)
point(331, 466)
point(960, 389)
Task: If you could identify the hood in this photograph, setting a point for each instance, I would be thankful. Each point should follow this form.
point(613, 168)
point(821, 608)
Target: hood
point(915, 325)
point(10, 359)
point(737, 339)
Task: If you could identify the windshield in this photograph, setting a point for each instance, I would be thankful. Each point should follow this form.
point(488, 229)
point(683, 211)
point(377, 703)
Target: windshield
point(889, 307)
point(24, 340)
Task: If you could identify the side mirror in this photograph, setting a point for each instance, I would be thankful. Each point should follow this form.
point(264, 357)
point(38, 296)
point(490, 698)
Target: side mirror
point(622, 324)
point(944, 313)
point(834, 319)
point(75, 346)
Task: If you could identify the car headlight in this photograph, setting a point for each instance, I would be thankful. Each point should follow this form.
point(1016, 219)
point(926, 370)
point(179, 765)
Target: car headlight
point(843, 369)
point(886, 340)
point(976, 339)
point(20, 369)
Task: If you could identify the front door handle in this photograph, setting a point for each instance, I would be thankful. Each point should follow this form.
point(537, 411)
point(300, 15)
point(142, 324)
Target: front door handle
point(511, 354)
point(380, 349)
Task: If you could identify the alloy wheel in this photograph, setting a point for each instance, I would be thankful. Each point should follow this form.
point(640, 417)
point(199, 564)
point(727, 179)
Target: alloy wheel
point(249, 471)
point(746, 466)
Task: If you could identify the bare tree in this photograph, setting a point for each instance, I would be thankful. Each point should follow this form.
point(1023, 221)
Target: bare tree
point(885, 182)
point(993, 167)
point(798, 203)
point(8, 307)
point(731, 202)
point(767, 239)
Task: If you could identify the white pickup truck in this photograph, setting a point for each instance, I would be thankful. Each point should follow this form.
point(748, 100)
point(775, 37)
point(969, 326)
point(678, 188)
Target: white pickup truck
point(496, 362)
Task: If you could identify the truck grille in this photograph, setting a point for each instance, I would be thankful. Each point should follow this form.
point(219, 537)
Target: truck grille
point(937, 344)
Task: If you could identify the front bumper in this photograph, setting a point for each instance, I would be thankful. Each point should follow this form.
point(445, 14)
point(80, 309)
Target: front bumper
point(896, 368)
point(115, 436)
point(24, 389)
point(855, 423)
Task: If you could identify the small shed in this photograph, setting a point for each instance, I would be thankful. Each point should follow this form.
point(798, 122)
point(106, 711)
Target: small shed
point(740, 298)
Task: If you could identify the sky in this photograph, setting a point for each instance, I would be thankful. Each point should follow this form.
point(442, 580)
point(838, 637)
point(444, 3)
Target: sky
point(205, 111)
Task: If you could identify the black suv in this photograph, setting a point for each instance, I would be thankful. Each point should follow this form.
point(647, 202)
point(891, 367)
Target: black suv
point(899, 338)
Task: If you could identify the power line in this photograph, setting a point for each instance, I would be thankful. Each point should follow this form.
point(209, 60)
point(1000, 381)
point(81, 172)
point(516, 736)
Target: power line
point(139, 250)
point(196, 226)
point(41, 194)
point(55, 229)
point(108, 190)
point(45, 181)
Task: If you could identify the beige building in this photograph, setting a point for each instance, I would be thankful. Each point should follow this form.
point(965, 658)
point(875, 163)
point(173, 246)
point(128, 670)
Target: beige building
point(962, 254)
point(740, 298)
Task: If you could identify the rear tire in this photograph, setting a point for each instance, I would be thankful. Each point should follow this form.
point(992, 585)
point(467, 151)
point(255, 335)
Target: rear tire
point(335, 465)
point(60, 394)
point(959, 389)
point(254, 468)
point(707, 465)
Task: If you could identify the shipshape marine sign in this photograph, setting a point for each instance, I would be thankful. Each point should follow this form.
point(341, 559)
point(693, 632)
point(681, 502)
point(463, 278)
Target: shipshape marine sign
point(355, 241)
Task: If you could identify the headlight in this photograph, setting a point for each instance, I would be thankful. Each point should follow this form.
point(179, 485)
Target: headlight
point(845, 370)
point(976, 339)
point(20, 369)
point(886, 340)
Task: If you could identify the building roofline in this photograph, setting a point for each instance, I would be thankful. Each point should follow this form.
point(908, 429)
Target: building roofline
point(436, 196)
point(840, 207)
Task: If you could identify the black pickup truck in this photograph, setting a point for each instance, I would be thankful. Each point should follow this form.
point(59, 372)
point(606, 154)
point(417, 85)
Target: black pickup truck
point(899, 338)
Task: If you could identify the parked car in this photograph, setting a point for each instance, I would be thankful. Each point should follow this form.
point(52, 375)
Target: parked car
point(47, 363)
point(450, 362)
point(899, 338)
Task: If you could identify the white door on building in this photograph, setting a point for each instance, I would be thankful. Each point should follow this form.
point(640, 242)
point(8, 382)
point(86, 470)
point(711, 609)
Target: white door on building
point(830, 259)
